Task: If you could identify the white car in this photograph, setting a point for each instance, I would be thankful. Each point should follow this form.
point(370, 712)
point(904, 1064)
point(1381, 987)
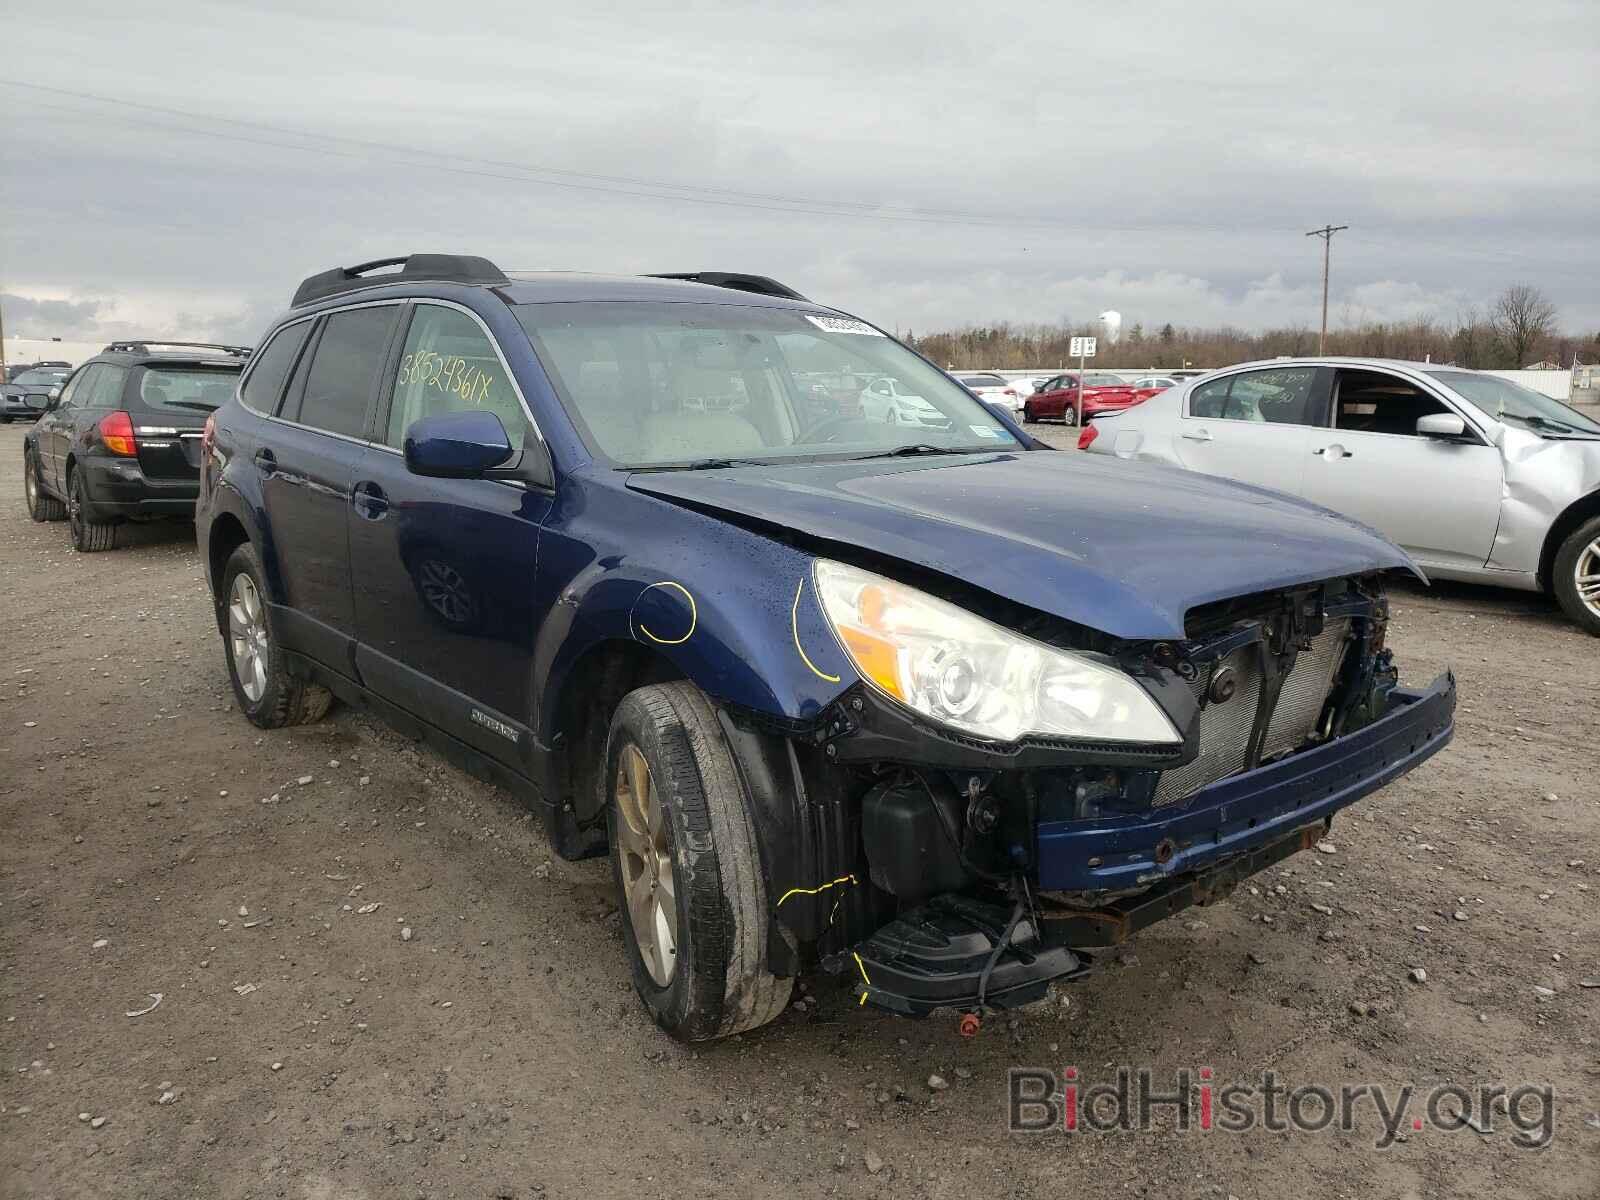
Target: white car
point(885, 399)
point(1159, 382)
point(1025, 386)
point(989, 387)
point(1477, 478)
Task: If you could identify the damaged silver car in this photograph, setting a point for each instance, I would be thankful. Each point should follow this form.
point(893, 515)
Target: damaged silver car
point(1477, 478)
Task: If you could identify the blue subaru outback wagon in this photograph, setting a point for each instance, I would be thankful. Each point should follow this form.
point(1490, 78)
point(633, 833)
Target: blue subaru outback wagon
point(927, 704)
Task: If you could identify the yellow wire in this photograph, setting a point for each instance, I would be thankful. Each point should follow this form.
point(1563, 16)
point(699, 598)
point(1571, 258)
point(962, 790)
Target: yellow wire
point(821, 887)
point(794, 627)
point(862, 967)
point(694, 614)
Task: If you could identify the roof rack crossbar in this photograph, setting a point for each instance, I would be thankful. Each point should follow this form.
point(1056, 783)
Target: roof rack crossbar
point(443, 268)
point(147, 345)
point(761, 285)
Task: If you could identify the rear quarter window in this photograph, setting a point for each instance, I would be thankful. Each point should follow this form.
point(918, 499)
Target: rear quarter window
point(263, 387)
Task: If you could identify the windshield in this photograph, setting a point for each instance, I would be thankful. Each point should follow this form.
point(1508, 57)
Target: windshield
point(982, 381)
point(53, 376)
point(683, 384)
point(186, 389)
point(1504, 400)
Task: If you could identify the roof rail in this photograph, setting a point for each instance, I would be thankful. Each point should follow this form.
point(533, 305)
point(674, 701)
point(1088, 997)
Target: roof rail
point(445, 268)
point(759, 284)
point(154, 346)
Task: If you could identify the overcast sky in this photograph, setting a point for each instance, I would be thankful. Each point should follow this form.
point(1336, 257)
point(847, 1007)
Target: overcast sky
point(925, 165)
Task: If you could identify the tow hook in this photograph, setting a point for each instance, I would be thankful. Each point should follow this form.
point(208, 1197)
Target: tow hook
point(969, 1025)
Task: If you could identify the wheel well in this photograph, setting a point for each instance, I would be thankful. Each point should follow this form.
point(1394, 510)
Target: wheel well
point(593, 688)
point(1576, 514)
point(227, 535)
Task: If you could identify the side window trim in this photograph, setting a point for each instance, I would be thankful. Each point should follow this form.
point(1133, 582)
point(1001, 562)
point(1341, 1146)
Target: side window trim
point(296, 382)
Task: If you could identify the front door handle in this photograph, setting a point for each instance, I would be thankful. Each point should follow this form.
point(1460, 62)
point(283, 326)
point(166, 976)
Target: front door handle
point(1198, 435)
point(267, 461)
point(1334, 452)
point(368, 500)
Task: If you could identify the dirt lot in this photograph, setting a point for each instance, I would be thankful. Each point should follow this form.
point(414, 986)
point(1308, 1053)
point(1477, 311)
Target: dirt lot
point(155, 843)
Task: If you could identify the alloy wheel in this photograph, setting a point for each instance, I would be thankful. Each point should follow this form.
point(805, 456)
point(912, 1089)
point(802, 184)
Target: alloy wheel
point(1586, 576)
point(247, 633)
point(649, 884)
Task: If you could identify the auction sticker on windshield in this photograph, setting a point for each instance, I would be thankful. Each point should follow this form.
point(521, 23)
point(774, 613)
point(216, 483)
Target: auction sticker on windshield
point(843, 325)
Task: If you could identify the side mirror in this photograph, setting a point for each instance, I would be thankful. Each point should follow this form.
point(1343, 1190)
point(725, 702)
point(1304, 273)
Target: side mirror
point(1441, 425)
point(53, 397)
point(457, 445)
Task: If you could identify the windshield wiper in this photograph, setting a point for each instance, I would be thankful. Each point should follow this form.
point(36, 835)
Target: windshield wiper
point(919, 448)
point(197, 405)
point(701, 464)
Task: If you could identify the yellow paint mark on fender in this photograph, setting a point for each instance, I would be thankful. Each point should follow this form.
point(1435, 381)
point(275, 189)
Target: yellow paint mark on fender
point(794, 628)
point(694, 614)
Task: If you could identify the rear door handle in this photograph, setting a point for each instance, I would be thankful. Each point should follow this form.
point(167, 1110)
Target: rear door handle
point(1199, 435)
point(267, 461)
point(1334, 452)
point(368, 500)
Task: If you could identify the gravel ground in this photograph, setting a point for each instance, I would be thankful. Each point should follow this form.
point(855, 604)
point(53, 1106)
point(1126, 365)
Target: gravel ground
point(376, 981)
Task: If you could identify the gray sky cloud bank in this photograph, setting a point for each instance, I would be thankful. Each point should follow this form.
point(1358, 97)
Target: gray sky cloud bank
point(923, 165)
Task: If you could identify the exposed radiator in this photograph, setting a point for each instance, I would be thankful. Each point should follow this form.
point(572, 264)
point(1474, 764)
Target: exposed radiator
point(1225, 727)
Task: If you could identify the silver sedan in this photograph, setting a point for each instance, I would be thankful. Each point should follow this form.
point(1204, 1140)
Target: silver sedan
point(1478, 479)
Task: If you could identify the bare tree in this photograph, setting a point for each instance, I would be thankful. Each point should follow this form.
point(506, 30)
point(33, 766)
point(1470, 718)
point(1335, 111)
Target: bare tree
point(1522, 319)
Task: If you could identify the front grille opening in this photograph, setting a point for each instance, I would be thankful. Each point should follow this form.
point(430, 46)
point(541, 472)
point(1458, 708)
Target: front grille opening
point(1225, 727)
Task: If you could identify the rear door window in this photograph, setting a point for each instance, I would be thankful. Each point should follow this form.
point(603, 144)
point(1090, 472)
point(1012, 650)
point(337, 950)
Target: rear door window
point(272, 365)
point(1275, 396)
point(343, 376)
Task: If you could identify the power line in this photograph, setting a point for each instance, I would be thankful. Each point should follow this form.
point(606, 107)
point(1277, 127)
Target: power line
point(616, 185)
point(1326, 234)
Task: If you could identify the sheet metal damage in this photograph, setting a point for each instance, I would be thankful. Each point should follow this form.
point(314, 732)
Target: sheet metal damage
point(941, 871)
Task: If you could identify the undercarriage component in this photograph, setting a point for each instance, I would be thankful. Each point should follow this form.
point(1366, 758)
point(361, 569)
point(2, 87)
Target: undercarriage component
point(934, 957)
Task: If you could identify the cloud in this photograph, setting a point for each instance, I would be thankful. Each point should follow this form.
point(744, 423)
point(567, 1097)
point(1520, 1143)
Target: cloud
point(51, 318)
point(1166, 162)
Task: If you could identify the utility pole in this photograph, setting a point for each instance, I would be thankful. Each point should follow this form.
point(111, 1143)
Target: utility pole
point(1326, 234)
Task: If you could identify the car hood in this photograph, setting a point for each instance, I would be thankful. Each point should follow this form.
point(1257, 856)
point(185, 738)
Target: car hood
point(1125, 548)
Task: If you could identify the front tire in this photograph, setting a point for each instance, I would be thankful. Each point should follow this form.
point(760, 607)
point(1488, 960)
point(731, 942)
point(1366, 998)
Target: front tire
point(268, 695)
point(1027, 415)
point(88, 535)
point(1576, 575)
point(686, 861)
point(42, 506)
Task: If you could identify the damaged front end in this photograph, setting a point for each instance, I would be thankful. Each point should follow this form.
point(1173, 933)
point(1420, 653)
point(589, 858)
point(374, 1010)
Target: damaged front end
point(945, 870)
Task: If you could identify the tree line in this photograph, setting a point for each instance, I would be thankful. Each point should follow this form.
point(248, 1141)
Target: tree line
point(1518, 329)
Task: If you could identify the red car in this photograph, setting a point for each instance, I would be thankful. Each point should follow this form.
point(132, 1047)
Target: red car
point(1057, 398)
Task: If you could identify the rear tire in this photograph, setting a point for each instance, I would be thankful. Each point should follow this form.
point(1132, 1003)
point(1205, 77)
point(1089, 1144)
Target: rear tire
point(700, 969)
point(1575, 576)
point(1068, 416)
point(42, 506)
point(88, 535)
point(268, 695)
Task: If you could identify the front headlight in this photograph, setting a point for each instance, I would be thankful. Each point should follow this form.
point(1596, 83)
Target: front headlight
point(973, 675)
